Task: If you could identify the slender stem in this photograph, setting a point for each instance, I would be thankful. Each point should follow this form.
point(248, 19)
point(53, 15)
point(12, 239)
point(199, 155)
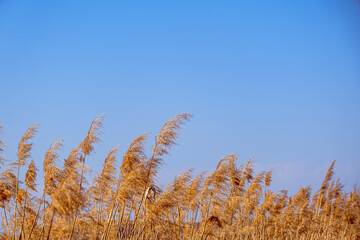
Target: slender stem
point(120, 221)
point(77, 207)
point(125, 232)
point(51, 223)
point(37, 214)
point(140, 233)
point(145, 187)
point(193, 224)
point(44, 223)
point(206, 214)
point(7, 223)
point(179, 221)
point(16, 193)
point(114, 202)
point(23, 218)
point(103, 236)
point(112, 217)
point(98, 221)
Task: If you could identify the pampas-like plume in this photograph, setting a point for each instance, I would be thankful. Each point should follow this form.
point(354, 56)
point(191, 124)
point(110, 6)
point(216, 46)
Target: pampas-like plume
point(268, 178)
point(72, 163)
point(132, 170)
point(253, 193)
point(30, 177)
point(174, 195)
point(169, 133)
point(134, 155)
point(249, 171)
point(194, 191)
point(163, 142)
point(325, 185)
point(67, 194)
point(24, 146)
point(51, 171)
point(92, 135)
point(107, 176)
point(327, 179)
point(103, 181)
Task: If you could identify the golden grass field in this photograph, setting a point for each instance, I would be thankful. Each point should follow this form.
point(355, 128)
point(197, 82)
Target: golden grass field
point(232, 202)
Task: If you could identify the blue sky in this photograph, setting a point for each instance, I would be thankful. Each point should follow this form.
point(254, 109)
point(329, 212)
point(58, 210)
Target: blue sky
point(275, 80)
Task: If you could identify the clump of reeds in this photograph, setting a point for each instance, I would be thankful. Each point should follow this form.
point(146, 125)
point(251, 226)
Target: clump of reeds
point(125, 202)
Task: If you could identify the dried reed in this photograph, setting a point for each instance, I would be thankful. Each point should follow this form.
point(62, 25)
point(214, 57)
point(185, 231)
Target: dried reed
point(232, 202)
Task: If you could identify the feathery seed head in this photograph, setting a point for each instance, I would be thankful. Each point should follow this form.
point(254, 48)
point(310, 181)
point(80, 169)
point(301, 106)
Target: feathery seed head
point(51, 171)
point(92, 136)
point(268, 178)
point(169, 133)
point(30, 177)
point(24, 146)
point(134, 155)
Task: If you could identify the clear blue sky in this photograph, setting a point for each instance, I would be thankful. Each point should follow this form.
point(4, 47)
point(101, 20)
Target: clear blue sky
point(275, 80)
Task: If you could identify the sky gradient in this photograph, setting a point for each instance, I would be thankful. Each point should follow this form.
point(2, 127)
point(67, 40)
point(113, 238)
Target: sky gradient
point(275, 80)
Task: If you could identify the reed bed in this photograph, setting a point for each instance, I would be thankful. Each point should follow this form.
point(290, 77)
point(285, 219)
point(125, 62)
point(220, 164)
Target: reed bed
point(124, 202)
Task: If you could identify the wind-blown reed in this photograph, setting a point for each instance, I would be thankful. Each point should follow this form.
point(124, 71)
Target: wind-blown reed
point(125, 202)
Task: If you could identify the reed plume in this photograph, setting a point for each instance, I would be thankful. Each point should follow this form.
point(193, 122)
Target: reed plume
point(134, 155)
point(24, 146)
point(23, 154)
point(268, 178)
point(325, 185)
point(169, 133)
point(51, 171)
point(92, 136)
point(30, 177)
point(67, 192)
